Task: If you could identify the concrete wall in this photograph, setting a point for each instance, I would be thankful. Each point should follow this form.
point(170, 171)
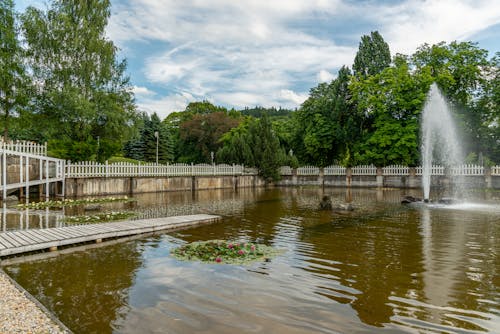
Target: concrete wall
point(77, 187)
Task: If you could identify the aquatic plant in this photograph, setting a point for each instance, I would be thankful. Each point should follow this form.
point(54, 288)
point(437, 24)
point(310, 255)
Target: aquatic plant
point(220, 251)
point(99, 218)
point(71, 202)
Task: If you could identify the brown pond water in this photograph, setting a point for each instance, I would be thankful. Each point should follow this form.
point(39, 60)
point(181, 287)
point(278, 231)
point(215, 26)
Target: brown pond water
point(383, 268)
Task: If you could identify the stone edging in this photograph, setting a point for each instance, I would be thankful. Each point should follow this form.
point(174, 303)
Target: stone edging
point(47, 319)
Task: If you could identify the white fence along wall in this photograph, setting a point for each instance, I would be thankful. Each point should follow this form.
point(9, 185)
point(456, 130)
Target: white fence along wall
point(125, 169)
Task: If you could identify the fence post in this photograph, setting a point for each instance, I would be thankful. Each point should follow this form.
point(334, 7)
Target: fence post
point(348, 176)
point(487, 178)
point(106, 169)
point(4, 175)
point(380, 177)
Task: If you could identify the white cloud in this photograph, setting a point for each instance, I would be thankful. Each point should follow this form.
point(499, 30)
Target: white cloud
point(415, 22)
point(142, 91)
point(290, 96)
point(325, 76)
point(166, 104)
point(261, 52)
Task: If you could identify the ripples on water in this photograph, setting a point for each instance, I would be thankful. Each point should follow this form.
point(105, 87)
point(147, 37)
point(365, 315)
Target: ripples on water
point(381, 268)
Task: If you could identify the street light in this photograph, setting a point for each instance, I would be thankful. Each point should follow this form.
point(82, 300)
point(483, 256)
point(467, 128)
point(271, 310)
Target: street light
point(157, 135)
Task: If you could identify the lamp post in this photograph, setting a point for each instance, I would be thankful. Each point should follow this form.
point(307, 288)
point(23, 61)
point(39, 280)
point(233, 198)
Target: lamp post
point(157, 135)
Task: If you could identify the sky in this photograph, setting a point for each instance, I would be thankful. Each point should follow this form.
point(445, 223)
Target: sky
point(270, 53)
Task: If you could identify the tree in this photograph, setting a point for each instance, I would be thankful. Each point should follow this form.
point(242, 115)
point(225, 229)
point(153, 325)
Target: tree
point(459, 70)
point(268, 155)
point(237, 145)
point(327, 123)
point(393, 100)
point(82, 91)
point(373, 55)
point(13, 81)
point(152, 135)
point(200, 135)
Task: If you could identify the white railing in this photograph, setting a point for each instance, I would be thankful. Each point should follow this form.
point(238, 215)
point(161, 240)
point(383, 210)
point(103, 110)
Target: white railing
point(308, 170)
point(396, 170)
point(435, 170)
point(286, 170)
point(334, 170)
point(93, 169)
point(467, 170)
point(122, 169)
point(364, 170)
point(495, 170)
point(22, 146)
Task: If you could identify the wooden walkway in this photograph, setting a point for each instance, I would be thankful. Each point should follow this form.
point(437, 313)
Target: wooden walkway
point(17, 242)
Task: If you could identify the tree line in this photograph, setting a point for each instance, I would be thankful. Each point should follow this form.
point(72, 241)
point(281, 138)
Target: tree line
point(61, 82)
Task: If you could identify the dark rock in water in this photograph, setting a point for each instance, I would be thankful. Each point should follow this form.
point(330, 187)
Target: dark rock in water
point(343, 207)
point(446, 200)
point(410, 199)
point(325, 204)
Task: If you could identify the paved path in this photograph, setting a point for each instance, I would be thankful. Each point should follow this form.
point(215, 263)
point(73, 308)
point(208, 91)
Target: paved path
point(17, 242)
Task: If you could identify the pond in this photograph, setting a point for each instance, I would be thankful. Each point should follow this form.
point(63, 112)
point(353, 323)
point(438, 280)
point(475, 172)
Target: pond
point(382, 268)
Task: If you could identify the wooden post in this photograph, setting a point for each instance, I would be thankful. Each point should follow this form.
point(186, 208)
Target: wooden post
point(4, 175)
point(46, 179)
point(27, 181)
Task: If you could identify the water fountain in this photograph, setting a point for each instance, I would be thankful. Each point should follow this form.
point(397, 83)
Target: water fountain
point(439, 141)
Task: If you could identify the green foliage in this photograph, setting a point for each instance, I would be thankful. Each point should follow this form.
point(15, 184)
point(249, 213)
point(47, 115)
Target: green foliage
point(71, 202)
point(228, 252)
point(101, 217)
point(200, 135)
point(152, 135)
point(80, 85)
point(273, 113)
point(373, 55)
point(13, 78)
point(254, 144)
point(327, 124)
point(115, 159)
point(392, 100)
point(459, 69)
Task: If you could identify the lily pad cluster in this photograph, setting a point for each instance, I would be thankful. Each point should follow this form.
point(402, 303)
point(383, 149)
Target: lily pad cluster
point(71, 202)
point(221, 251)
point(99, 218)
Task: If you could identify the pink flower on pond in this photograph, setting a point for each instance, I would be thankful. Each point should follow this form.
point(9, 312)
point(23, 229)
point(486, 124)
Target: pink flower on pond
point(218, 260)
point(241, 252)
point(230, 246)
point(252, 248)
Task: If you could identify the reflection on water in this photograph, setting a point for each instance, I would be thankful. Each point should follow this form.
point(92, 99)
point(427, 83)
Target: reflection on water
point(381, 268)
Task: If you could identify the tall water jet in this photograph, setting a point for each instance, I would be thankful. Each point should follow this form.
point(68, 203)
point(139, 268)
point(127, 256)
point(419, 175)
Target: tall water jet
point(439, 141)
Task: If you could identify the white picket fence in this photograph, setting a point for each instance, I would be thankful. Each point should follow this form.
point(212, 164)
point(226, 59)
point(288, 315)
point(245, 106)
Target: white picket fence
point(334, 170)
point(469, 170)
point(495, 170)
point(93, 169)
point(395, 170)
point(308, 170)
point(435, 170)
point(21, 146)
point(364, 170)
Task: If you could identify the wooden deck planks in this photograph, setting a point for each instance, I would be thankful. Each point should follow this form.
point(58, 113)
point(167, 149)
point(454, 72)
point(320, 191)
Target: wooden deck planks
point(17, 242)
